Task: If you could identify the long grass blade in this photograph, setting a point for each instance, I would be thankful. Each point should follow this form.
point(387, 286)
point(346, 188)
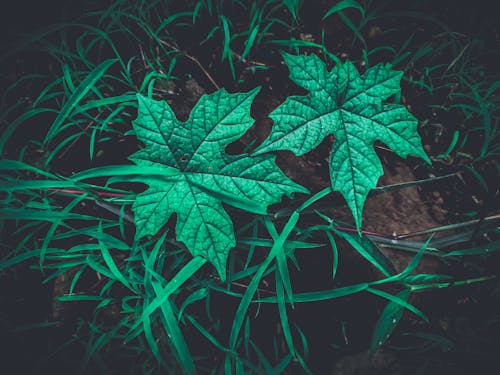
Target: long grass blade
point(80, 92)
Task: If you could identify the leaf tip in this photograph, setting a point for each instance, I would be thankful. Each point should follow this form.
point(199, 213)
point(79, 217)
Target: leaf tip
point(303, 189)
point(288, 58)
point(426, 158)
point(255, 90)
point(221, 270)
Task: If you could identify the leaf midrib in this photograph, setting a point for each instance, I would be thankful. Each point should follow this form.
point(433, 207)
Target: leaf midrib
point(235, 107)
point(351, 163)
point(200, 215)
point(161, 133)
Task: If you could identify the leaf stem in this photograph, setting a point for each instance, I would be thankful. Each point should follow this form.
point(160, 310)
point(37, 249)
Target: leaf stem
point(79, 192)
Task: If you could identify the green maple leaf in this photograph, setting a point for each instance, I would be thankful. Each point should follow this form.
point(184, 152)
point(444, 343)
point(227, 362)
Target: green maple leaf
point(351, 107)
point(196, 175)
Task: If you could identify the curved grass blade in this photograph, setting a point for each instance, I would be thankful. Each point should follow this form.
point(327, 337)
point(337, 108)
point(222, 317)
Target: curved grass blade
point(344, 4)
point(322, 295)
point(285, 326)
point(124, 170)
point(172, 286)
point(369, 251)
point(174, 332)
point(335, 252)
point(395, 299)
point(207, 334)
point(193, 297)
point(280, 260)
point(11, 128)
point(478, 250)
point(108, 259)
point(80, 92)
point(252, 287)
point(386, 323)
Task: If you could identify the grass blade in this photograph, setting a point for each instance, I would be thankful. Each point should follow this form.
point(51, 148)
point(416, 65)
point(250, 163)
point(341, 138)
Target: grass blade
point(386, 323)
point(80, 92)
point(174, 332)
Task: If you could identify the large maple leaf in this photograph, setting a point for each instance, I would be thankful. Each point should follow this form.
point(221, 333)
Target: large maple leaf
point(351, 107)
point(199, 175)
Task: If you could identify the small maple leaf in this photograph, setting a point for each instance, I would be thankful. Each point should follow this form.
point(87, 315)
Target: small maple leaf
point(199, 175)
point(349, 106)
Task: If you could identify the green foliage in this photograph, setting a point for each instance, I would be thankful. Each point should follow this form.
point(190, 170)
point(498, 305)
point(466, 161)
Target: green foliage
point(390, 317)
point(76, 213)
point(349, 106)
point(201, 174)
